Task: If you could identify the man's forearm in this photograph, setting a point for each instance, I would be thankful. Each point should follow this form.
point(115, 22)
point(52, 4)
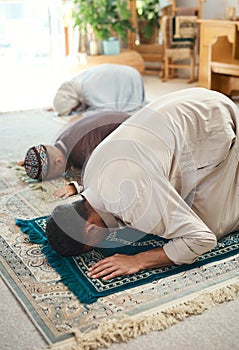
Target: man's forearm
point(153, 258)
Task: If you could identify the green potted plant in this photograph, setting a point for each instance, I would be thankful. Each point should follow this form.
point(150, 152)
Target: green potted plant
point(107, 18)
point(148, 16)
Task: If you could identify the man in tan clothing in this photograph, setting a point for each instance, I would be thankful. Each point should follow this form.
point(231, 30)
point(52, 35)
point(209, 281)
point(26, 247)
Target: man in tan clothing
point(170, 170)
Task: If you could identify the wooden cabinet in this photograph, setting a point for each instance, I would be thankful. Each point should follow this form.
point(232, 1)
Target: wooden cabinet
point(221, 68)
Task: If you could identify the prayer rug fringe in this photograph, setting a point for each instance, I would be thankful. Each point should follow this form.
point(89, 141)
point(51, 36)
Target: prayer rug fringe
point(81, 291)
point(20, 171)
point(71, 175)
point(64, 269)
point(123, 330)
point(34, 234)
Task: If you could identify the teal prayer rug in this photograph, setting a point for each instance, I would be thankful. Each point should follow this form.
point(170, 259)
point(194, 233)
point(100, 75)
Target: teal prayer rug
point(73, 270)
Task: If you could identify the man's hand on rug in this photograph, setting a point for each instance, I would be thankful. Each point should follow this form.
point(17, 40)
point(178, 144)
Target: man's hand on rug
point(121, 264)
point(65, 192)
point(114, 266)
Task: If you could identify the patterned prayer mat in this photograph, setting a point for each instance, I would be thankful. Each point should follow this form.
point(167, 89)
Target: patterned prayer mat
point(73, 270)
point(66, 322)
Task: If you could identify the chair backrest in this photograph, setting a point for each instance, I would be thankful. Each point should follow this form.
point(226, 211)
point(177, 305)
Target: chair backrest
point(194, 10)
point(179, 31)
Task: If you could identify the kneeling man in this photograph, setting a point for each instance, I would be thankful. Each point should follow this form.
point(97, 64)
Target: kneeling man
point(169, 170)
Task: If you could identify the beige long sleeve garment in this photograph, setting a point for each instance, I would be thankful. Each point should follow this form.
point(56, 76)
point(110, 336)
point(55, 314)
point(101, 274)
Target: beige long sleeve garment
point(171, 170)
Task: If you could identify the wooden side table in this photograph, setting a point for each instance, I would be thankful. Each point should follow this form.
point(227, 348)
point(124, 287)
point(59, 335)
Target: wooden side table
point(81, 62)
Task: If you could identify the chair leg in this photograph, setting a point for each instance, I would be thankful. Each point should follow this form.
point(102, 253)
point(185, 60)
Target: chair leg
point(165, 78)
point(192, 68)
point(171, 70)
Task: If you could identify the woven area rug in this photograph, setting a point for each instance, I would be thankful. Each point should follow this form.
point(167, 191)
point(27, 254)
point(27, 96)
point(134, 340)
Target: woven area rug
point(67, 323)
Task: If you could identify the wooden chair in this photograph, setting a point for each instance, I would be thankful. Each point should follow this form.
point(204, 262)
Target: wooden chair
point(195, 8)
point(224, 66)
point(179, 40)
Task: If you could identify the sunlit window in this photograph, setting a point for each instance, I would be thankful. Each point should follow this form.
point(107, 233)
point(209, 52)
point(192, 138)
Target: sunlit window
point(30, 30)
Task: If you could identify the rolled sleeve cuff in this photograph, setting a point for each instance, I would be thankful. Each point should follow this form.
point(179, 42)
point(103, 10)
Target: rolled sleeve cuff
point(180, 253)
point(79, 188)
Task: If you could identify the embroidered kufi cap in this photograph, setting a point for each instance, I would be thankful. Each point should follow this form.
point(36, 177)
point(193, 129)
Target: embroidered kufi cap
point(36, 162)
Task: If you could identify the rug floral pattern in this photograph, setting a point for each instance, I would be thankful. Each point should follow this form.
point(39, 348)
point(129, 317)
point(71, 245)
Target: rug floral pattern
point(52, 306)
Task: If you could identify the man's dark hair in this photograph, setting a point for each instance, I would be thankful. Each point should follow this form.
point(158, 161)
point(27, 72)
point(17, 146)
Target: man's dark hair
point(64, 228)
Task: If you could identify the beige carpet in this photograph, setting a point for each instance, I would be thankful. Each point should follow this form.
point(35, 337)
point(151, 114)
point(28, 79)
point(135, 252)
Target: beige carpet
point(118, 317)
point(216, 329)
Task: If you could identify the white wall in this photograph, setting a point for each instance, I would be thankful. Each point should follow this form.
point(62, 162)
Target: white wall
point(217, 8)
point(212, 8)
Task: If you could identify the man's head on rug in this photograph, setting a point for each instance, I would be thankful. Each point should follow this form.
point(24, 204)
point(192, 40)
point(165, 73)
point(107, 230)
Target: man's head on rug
point(73, 229)
point(67, 99)
point(44, 162)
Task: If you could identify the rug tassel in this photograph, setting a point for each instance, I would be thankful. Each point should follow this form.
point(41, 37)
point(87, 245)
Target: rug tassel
point(35, 236)
point(116, 331)
point(61, 264)
point(63, 268)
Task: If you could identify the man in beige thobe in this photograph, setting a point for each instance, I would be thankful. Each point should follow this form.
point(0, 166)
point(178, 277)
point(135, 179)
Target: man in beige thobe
point(169, 170)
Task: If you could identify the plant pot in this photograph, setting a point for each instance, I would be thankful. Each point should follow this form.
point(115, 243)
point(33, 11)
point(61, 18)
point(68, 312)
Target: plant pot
point(111, 46)
point(145, 26)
